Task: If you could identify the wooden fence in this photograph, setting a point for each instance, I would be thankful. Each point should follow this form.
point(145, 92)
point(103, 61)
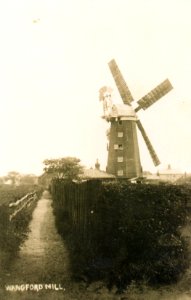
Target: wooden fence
point(19, 205)
point(79, 204)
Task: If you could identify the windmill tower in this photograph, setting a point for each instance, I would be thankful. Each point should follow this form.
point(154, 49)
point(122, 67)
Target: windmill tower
point(123, 150)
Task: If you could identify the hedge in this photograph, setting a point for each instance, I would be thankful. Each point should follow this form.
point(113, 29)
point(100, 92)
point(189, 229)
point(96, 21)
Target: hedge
point(13, 233)
point(121, 232)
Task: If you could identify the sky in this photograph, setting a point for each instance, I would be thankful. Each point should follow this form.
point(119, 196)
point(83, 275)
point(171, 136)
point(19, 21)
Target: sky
point(54, 58)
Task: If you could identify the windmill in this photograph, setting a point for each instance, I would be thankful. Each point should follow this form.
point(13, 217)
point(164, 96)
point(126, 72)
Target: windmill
point(123, 150)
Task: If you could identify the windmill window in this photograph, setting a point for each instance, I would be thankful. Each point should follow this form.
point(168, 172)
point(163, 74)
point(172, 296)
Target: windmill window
point(120, 134)
point(118, 146)
point(120, 172)
point(120, 159)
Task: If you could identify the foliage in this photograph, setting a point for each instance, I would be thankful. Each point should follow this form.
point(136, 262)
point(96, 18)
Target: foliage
point(13, 177)
point(67, 167)
point(146, 237)
point(10, 193)
point(13, 233)
point(123, 232)
point(28, 179)
point(16, 178)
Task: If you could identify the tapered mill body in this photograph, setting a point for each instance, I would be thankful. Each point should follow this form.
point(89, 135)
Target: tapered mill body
point(123, 150)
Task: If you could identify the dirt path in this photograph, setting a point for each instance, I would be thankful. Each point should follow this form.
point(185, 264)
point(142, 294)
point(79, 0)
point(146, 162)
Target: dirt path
point(43, 256)
point(43, 260)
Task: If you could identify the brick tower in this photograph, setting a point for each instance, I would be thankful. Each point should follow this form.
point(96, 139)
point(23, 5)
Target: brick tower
point(123, 150)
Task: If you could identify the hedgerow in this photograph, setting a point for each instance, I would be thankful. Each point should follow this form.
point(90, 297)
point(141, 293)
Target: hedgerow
point(145, 228)
point(13, 233)
point(132, 232)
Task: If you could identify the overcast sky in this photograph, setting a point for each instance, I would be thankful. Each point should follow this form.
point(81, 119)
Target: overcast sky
point(54, 58)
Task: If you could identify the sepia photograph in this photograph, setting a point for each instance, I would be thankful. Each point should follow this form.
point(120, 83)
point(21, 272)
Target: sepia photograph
point(95, 155)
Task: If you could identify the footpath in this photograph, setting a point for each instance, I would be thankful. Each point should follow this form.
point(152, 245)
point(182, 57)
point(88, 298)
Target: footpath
point(41, 270)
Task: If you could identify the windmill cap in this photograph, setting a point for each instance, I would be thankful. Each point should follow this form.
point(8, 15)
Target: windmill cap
point(121, 110)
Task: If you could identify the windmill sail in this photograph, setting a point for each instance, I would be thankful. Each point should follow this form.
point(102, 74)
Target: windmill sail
point(154, 95)
point(148, 143)
point(120, 82)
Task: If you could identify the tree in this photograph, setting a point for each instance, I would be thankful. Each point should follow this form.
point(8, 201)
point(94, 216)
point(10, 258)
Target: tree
point(13, 177)
point(29, 179)
point(67, 167)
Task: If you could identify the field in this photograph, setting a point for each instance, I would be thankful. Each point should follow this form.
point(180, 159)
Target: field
point(10, 193)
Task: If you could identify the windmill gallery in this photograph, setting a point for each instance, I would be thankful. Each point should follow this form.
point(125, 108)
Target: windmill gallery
point(123, 150)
